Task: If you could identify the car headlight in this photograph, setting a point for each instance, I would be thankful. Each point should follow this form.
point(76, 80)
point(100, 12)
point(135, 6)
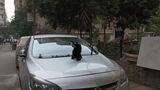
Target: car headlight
point(123, 77)
point(39, 84)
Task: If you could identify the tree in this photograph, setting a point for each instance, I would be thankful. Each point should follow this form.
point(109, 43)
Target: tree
point(80, 14)
point(107, 13)
point(69, 14)
point(134, 13)
point(19, 24)
point(154, 24)
point(76, 14)
point(73, 14)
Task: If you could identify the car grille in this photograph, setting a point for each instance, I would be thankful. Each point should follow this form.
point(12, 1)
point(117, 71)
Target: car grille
point(111, 86)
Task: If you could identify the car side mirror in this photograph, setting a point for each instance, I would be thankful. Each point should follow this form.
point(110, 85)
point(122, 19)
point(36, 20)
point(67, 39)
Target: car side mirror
point(22, 53)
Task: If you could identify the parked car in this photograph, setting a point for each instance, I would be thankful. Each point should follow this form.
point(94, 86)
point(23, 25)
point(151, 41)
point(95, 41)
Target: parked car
point(20, 45)
point(45, 63)
point(14, 44)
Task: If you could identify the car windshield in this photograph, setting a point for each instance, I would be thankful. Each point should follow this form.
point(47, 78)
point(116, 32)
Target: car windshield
point(54, 47)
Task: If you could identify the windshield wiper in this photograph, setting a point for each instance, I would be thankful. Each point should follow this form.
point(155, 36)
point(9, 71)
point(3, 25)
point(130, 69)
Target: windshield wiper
point(40, 56)
point(57, 56)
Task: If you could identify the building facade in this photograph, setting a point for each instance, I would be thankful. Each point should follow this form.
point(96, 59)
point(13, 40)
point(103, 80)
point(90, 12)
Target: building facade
point(39, 23)
point(2, 13)
point(19, 4)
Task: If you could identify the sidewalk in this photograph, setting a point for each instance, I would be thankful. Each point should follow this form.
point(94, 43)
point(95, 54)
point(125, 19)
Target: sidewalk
point(136, 86)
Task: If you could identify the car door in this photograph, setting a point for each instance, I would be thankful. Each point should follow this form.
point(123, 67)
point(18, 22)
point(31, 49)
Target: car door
point(23, 69)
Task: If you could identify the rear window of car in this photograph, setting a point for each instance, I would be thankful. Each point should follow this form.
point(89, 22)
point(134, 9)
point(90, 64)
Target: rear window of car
point(23, 41)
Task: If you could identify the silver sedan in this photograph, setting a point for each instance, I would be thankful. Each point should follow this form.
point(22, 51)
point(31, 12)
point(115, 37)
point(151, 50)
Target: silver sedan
point(46, 63)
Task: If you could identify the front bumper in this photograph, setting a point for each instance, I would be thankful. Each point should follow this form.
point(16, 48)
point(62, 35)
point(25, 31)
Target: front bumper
point(124, 86)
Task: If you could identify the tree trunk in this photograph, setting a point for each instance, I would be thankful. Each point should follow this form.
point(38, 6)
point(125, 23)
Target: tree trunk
point(34, 26)
point(91, 40)
point(121, 47)
point(137, 31)
point(69, 31)
point(104, 32)
point(122, 24)
point(121, 42)
point(80, 32)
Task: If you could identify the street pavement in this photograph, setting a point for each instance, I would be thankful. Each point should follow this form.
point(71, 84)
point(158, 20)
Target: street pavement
point(8, 74)
point(136, 86)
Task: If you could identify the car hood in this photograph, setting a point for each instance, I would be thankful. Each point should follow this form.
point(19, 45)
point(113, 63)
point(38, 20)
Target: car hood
point(67, 67)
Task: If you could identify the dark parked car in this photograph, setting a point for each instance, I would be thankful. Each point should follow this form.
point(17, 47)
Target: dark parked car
point(21, 45)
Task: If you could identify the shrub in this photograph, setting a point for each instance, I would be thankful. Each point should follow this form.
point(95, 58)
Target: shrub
point(133, 49)
point(111, 50)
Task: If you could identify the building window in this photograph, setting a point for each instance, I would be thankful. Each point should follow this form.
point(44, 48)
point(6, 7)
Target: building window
point(20, 1)
point(1, 5)
point(1, 16)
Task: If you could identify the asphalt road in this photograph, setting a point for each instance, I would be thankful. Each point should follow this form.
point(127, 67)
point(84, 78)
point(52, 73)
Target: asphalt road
point(8, 74)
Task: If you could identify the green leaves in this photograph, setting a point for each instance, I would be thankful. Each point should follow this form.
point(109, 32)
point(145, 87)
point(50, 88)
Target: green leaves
point(138, 10)
point(154, 24)
point(20, 24)
point(80, 14)
point(74, 14)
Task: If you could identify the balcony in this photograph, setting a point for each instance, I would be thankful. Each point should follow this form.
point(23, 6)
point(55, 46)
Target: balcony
point(2, 12)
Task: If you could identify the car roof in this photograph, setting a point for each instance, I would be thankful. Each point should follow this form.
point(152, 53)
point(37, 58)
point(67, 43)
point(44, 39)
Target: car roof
point(25, 37)
point(53, 35)
point(23, 40)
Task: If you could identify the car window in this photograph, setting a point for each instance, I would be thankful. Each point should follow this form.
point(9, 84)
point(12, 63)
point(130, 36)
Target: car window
point(58, 47)
point(26, 46)
point(23, 41)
